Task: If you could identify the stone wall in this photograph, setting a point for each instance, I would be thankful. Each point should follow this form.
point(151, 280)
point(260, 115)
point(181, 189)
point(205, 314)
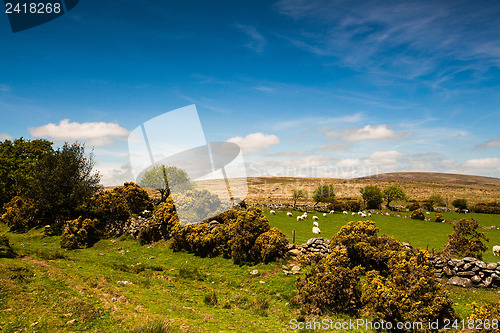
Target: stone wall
point(316, 245)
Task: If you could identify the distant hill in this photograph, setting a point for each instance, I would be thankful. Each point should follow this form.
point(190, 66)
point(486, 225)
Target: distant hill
point(434, 177)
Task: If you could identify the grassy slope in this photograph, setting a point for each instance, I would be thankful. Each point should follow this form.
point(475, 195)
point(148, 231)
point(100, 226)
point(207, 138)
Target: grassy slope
point(51, 286)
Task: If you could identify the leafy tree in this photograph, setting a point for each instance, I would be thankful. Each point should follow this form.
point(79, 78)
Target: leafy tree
point(460, 204)
point(17, 161)
point(324, 193)
point(394, 193)
point(298, 194)
point(64, 183)
point(437, 200)
point(373, 197)
point(166, 179)
point(466, 240)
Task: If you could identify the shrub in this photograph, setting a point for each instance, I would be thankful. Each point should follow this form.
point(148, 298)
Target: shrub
point(271, 245)
point(410, 293)
point(487, 208)
point(417, 215)
point(324, 193)
point(413, 205)
point(466, 240)
point(331, 286)
point(136, 198)
point(197, 206)
point(243, 234)
point(438, 218)
point(347, 204)
point(365, 247)
point(394, 193)
point(21, 214)
point(80, 232)
point(161, 226)
point(195, 238)
point(460, 204)
point(488, 315)
point(373, 196)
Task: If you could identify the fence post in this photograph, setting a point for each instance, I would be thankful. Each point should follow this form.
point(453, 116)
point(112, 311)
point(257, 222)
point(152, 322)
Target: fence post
point(293, 236)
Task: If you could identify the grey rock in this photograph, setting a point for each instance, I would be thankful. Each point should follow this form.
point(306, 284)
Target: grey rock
point(465, 274)
point(475, 279)
point(254, 272)
point(460, 281)
point(492, 266)
point(469, 259)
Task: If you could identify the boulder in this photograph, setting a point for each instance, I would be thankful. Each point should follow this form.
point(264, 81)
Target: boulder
point(460, 281)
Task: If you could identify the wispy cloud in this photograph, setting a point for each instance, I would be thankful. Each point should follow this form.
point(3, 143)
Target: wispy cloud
point(5, 136)
point(379, 132)
point(255, 142)
point(286, 153)
point(494, 142)
point(4, 87)
point(333, 147)
point(95, 133)
point(257, 42)
point(318, 121)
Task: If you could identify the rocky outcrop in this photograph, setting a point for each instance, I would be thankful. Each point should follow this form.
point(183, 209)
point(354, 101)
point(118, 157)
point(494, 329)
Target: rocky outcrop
point(316, 245)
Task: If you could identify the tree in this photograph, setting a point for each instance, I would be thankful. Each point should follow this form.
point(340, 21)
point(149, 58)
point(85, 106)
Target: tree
point(64, 183)
point(324, 193)
point(394, 193)
point(17, 161)
point(298, 195)
point(165, 179)
point(373, 197)
point(466, 240)
point(437, 200)
point(460, 204)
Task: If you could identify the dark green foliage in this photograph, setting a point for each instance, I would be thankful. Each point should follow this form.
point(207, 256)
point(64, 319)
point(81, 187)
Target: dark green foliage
point(271, 245)
point(373, 197)
point(21, 214)
point(4, 242)
point(79, 233)
point(192, 274)
point(466, 241)
point(394, 193)
point(17, 160)
point(436, 200)
point(298, 194)
point(413, 205)
point(135, 197)
point(324, 193)
point(352, 205)
point(417, 215)
point(487, 208)
point(331, 286)
point(460, 204)
point(162, 225)
point(210, 299)
point(409, 293)
point(196, 206)
point(64, 183)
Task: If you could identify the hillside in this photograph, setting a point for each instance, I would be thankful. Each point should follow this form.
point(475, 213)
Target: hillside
point(434, 177)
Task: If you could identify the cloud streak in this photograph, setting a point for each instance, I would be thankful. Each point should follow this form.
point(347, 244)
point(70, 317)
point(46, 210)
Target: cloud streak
point(255, 142)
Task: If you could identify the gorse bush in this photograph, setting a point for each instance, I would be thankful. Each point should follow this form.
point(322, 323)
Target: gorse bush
point(271, 245)
point(331, 286)
point(79, 233)
point(197, 206)
point(409, 293)
point(21, 214)
point(417, 215)
point(488, 316)
point(466, 241)
point(487, 208)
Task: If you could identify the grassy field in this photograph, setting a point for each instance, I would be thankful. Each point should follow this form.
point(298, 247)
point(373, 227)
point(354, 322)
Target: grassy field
point(48, 288)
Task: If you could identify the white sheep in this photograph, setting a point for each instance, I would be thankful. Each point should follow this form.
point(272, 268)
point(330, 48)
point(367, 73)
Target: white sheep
point(305, 214)
point(272, 212)
point(315, 224)
point(289, 214)
point(344, 212)
point(496, 250)
point(299, 218)
point(360, 213)
point(304, 217)
point(363, 215)
point(315, 218)
point(370, 214)
point(332, 211)
point(324, 214)
point(316, 230)
point(353, 214)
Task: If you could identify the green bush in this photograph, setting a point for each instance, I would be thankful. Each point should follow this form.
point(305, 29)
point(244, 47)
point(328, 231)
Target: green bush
point(373, 196)
point(410, 293)
point(488, 315)
point(331, 286)
point(136, 198)
point(438, 218)
point(466, 241)
point(460, 204)
point(196, 206)
point(4, 242)
point(271, 245)
point(80, 232)
point(417, 215)
point(21, 214)
point(487, 208)
point(413, 205)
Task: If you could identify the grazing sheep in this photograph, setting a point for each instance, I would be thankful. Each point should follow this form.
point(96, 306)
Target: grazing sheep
point(300, 218)
point(427, 213)
point(344, 212)
point(324, 214)
point(363, 215)
point(496, 250)
point(316, 230)
point(315, 218)
point(332, 211)
point(315, 224)
point(289, 214)
point(370, 214)
point(353, 214)
point(305, 214)
point(272, 212)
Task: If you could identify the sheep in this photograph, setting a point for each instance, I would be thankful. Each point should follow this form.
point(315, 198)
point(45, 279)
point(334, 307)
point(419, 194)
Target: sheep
point(370, 214)
point(289, 214)
point(332, 211)
point(315, 218)
point(316, 230)
point(315, 224)
point(496, 250)
point(299, 218)
point(363, 215)
point(344, 212)
point(353, 214)
point(305, 214)
point(324, 214)
point(360, 213)
point(272, 212)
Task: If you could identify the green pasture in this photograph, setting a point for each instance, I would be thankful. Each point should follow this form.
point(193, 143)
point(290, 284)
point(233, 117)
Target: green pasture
point(421, 234)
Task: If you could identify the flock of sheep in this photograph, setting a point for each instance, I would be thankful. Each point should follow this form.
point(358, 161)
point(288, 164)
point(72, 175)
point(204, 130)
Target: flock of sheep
point(316, 230)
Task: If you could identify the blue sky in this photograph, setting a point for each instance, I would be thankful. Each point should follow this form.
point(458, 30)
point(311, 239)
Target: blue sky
point(307, 88)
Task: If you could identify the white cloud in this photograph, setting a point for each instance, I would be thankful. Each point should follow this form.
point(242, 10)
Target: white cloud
point(379, 132)
point(287, 153)
point(114, 174)
point(495, 142)
point(349, 162)
point(96, 134)
point(257, 42)
point(255, 142)
point(384, 158)
point(486, 164)
point(335, 147)
point(5, 136)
